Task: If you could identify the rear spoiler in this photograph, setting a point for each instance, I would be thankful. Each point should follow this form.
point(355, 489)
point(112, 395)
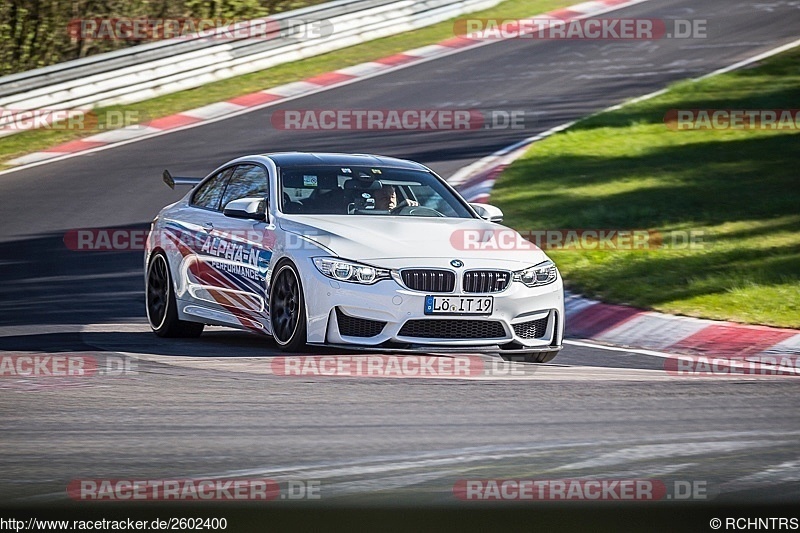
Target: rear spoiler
point(172, 181)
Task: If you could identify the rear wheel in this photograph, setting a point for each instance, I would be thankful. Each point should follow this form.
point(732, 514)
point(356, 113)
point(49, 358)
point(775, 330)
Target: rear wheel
point(287, 308)
point(162, 308)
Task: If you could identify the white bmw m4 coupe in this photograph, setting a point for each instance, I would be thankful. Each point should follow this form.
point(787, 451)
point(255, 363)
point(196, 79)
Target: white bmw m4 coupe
point(354, 251)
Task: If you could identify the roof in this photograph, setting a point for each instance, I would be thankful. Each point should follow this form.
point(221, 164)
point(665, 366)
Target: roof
point(294, 159)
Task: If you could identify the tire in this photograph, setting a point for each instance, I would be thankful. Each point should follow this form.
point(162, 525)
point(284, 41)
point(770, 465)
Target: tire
point(287, 313)
point(162, 309)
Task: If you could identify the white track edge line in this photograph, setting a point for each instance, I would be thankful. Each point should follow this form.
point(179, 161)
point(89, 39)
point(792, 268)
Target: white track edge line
point(664, 355)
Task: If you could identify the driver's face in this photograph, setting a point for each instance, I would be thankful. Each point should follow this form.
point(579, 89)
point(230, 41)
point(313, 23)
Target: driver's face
point(386, 198)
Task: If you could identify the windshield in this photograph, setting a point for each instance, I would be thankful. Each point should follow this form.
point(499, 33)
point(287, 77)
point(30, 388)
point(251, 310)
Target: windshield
point(327, 190)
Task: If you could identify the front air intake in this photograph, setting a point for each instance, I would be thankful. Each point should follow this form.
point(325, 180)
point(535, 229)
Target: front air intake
point(351, 326)
point(429, 280)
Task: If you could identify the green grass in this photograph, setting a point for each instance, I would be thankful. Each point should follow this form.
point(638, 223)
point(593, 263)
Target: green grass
point(23, 143)
point(625, 169)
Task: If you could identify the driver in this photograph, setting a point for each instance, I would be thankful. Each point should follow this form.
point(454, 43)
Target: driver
point(386, 199)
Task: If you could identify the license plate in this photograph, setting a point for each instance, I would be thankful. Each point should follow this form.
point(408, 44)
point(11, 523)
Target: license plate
point(458, 305)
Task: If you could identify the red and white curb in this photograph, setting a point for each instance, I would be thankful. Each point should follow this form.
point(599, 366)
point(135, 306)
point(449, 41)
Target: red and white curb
point(261, 99)
point(621, 325)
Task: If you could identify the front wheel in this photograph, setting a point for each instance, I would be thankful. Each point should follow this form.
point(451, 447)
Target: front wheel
point(162, 308)
point(287, 308)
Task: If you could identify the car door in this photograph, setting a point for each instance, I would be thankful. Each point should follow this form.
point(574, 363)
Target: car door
point(235, 254)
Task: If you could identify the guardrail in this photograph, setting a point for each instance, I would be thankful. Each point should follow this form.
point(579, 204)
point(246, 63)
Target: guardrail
point(158, 68)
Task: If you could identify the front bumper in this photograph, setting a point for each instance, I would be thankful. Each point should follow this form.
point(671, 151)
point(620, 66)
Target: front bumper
point(493, 350)
point(390, 303)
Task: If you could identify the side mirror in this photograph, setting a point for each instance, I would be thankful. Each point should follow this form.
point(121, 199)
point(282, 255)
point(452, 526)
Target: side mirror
point(248, 208)
point(488, 212)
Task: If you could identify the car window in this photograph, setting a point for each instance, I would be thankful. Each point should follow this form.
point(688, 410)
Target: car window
point(367, 191)
point(210, 193)
point(247, 181)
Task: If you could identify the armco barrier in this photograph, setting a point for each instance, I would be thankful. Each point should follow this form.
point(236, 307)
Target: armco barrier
point(155, 69)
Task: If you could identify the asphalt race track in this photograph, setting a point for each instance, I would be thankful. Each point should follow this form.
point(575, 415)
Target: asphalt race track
point(212, 408)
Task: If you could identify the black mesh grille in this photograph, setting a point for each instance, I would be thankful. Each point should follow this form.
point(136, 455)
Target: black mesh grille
point(533, 329)
point(429, 280)
point(358, 327)
point(486, 280)
point(453, 329)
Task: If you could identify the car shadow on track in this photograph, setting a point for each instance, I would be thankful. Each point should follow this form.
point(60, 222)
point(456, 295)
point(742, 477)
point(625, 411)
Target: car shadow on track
point(43, 281)
point(220, 343)
point(49, 285)
point(215, 342)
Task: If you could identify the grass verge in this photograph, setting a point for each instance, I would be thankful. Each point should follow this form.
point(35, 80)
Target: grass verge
point(32, 141)
point(738, 189)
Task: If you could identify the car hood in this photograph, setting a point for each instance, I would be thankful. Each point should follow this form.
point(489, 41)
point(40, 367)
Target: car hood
point(394, 241)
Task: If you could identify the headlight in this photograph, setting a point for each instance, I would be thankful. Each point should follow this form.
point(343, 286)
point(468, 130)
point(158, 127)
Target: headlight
point(343, 270)
point(536, 276)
